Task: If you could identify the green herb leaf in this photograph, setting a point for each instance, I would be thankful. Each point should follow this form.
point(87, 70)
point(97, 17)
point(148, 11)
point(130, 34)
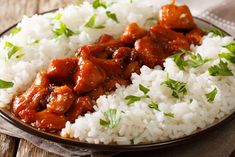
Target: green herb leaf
point(112, 16)
point(62, 30)
point(57, 16)
point(179, 61)
point(15, 30)
point(154, 105)
point(228, 56)
point(91, 23)
point(11, 49)
point(211, 95)
point(216, 32)
point(131, 99)
point(178, 88)
point(20, 56)
point(151, 19)
point(220, 70)
point(196, 60)
point(231, 47)
point(144, 89)
point(169, 115)
point(111, 119)
point(99, 3)
point(5, 84)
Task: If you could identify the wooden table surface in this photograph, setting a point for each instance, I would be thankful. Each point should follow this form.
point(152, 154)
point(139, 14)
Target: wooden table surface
point(11, 11)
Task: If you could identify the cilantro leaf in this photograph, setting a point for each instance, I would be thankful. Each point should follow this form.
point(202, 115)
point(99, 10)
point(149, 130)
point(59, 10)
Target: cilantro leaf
point(179, 61)
point(169, 114)
point(144, 89)
point(11, 49)
point(131, 99)
point(112, 16)
point(20, 56)
point(111, 119)
point(99, 3)
point(231, 47)
point(154, 105)
point(178, 88)
point(91, 23)
point(228, 56)
point(15, 30)
point(151, 19)
point(216, 32)
point(5, 84)
point(211, 95)
point(196, 60)
point(62, 30)
point(57, 16)
point(220, 70)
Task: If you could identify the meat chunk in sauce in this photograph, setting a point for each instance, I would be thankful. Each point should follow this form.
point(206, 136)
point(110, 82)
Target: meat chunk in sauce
point(31, 98)
point(132, 33)
point(176, 17)
point(82, 105)
point(195, 36)
point(60, 99)
point(62, 69)
point(88, 77)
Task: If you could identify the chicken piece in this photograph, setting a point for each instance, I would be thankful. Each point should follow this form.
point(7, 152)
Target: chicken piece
point(176, 17)
point(88, 77)
point(60, 100)
point(28, 116)
point(133, 67)
point(149, 52)
point(132, 33)
point(169, 40)
point(62, 69)
point(82, 105)
point(122, 55)
point(48, 121)
point(104, 38)
point(111, 84)
point(195, 36)
point(31, 98)
point(96, 93)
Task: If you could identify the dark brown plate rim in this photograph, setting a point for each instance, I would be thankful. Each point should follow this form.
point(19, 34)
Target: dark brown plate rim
point(5, 114)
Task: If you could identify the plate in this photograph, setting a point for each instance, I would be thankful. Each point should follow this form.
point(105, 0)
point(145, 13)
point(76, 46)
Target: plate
point(4, 113)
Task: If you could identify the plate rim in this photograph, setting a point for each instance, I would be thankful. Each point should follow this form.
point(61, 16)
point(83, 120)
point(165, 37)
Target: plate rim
point(9, 117)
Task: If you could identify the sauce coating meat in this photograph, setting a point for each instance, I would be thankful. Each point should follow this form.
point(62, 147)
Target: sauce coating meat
point(70, 86)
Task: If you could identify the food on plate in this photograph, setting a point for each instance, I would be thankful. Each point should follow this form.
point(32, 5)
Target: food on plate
point(128, 81)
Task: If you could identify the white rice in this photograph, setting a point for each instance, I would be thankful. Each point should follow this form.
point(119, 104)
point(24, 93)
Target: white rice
point(139, 123)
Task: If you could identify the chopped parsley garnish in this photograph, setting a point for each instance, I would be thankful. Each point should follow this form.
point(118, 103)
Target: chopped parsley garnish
point(229, 56)
point(11, 49)
point(216, 32)
point(57, 16)
point(62, 30)
point(112, 16)
point(154, 105)
point(15, 30)
point(220, 70)
point(132, 98)
point(5, 84)
point(91, 23)
point(211, 95)
point(151, 19)
point(111, 119)
point(20, 56)
point(99, 3)
point(178, 88)
point(169, 114)
point(194, 61)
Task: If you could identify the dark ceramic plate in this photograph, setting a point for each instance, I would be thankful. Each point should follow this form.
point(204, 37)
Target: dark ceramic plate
point(112, 147)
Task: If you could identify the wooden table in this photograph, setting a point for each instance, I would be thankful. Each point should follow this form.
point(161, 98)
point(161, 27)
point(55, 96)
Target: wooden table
point(11, 11)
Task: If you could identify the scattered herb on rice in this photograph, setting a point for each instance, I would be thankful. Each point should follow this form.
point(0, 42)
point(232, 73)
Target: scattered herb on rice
point(112, 16)
point(153, 105)
point(62, 30)
point(111, 119)
point(178, 88)
point(169, 114)
point(91, 23)
point(151, 19)
point(132, 98)
point(11, 49)
point(15, 30)
point(220, 70)
point(194, 61)
point(99, 3)
point(20, 56)
point(5, 84)
point(216, 32)
point(231, 55)
point(211, 95)
point(57, 16)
